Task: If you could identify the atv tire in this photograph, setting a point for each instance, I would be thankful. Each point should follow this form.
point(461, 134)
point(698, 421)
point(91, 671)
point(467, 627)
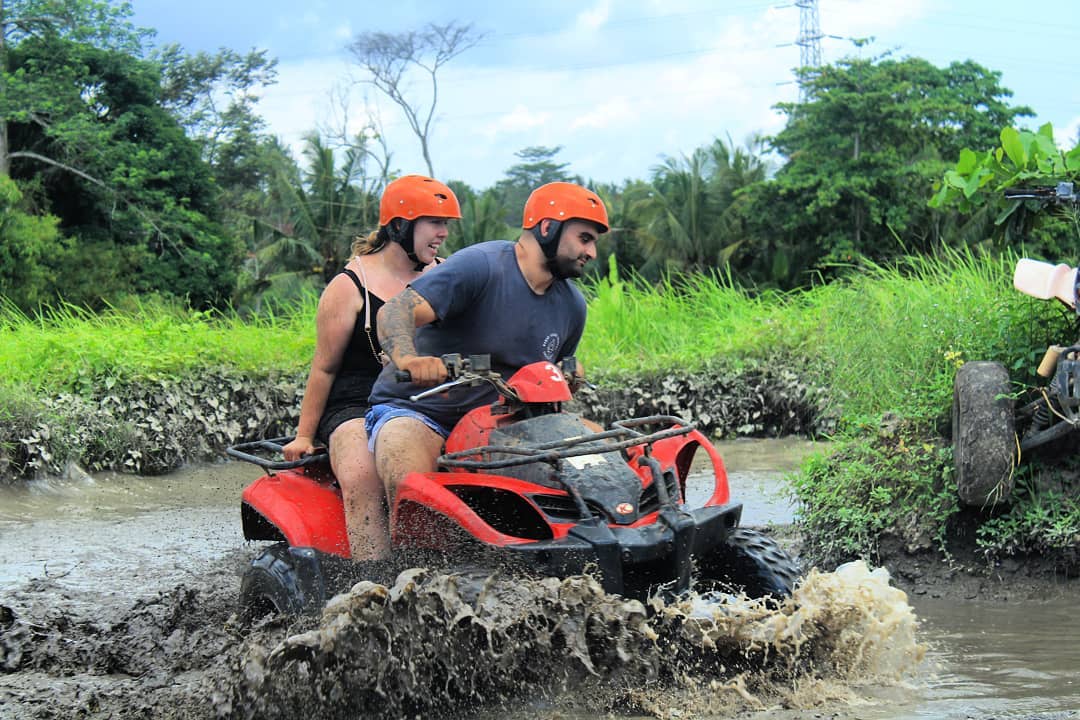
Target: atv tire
point(282, 581)
point(983, 433)
point(754, 563)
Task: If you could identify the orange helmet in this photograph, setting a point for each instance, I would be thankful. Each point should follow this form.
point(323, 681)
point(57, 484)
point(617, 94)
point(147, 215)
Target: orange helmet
point(414, 196)
point(564, 201)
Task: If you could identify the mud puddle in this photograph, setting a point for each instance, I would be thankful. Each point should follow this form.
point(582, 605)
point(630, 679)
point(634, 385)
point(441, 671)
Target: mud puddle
point(117, 599)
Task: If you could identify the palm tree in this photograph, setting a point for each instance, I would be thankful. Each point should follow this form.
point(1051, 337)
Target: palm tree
point(688, 207)
point(481, 218)
point(313, 218)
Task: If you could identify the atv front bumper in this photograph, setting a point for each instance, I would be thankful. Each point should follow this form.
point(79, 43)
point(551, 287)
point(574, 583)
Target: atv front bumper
point(634, 561)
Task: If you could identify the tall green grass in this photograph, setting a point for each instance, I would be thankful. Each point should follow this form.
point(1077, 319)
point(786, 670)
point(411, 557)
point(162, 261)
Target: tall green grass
point(891, 339)
point(887, 339)
point(70, 349)
point(633, 326)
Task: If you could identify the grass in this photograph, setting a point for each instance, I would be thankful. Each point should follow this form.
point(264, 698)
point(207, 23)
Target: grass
point(634, 326)
point(69, 349)
point(887, 340)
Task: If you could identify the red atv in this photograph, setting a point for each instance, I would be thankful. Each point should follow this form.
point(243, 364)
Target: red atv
point(530, 486)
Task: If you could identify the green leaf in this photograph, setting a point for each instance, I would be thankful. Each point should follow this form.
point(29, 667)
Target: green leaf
point(975, 182)
point(955, 179)
point(1046, 146)
point(1004, 214)
point(1013, 146)
point(968, 161)
point(1072, 160)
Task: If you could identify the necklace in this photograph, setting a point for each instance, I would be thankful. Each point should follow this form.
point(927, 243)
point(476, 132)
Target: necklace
point(380, 356)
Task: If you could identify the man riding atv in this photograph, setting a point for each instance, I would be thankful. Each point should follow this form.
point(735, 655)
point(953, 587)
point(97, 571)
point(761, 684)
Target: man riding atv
point(543, 489)
point(512, 301)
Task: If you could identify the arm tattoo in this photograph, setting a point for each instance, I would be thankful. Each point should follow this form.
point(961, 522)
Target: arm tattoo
point(397, 324)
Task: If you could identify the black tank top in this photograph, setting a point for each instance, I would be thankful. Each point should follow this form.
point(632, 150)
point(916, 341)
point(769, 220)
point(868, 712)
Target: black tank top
point(361, 356)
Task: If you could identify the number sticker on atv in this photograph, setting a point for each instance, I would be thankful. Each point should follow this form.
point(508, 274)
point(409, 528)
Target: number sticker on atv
point(556, 374)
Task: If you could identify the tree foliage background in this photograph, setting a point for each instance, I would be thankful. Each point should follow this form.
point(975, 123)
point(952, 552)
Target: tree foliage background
point(128, 170)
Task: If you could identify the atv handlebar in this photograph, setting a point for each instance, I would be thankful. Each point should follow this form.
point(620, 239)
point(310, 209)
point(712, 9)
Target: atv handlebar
point(245, 452)
point(622, 433)
point(471, 370)
point(1062, 193)
point(476, 369)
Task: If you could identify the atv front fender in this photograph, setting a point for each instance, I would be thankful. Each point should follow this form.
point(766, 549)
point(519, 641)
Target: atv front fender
point(678, 452)
point(297, 508)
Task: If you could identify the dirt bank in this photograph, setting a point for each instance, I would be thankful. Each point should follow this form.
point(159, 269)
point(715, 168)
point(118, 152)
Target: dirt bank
point(966, 574)
point(153, 427)
point(182, 652)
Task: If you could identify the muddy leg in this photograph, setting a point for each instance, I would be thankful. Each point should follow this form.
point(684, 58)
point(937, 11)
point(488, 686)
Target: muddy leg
point(405, 445)
point(361, 491)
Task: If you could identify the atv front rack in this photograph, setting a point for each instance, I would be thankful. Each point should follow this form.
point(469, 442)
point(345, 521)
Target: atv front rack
point(246, 452)
point(621, 436)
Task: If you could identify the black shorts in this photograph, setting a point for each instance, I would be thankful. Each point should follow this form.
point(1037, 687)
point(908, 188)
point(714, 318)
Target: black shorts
point(333, 417)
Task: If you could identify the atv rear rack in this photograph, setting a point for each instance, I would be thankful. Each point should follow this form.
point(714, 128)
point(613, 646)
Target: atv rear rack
point(622, 432)
point(246, 452)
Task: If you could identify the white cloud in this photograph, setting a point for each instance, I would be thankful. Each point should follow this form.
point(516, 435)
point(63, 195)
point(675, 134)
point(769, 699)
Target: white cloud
point(519, 119)
point(343, 31)
point(1068, 136)
point(860, 18)
point(613, 112)
point(595, 17)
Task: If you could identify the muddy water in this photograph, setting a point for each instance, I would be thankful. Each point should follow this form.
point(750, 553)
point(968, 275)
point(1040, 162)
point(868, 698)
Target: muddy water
point(150, 564)
point(120, 533)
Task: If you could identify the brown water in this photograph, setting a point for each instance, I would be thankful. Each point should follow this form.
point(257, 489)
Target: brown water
point(99, 547)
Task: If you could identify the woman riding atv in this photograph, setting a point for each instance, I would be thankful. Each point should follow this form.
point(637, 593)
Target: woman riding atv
point(413, 216)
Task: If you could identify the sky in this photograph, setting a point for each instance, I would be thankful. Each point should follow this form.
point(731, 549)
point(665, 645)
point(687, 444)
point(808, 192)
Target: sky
point(619, 85)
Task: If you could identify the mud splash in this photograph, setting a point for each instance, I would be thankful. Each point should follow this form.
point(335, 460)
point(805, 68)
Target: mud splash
point(439, 645)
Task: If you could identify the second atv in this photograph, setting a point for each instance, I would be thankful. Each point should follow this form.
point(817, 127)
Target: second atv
point(526, 484)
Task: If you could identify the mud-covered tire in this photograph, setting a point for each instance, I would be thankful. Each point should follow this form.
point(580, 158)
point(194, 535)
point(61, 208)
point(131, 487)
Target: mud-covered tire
point(983, 434)
point(752, 562)
point(275, 583)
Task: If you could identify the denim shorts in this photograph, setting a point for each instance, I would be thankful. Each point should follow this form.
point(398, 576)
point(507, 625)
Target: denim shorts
point(379, 415)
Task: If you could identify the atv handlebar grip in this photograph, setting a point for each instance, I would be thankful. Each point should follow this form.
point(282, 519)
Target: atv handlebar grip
point(402, 376)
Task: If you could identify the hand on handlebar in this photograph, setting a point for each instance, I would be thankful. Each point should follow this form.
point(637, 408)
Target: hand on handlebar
point(424, 370)
point(299, 447)
point(575, 374)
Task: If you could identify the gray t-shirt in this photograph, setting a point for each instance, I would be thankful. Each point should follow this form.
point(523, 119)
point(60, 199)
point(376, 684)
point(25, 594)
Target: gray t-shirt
point(485, 306)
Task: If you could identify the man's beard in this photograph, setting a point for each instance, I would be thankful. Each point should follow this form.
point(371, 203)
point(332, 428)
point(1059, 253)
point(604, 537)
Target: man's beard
point(563, 268)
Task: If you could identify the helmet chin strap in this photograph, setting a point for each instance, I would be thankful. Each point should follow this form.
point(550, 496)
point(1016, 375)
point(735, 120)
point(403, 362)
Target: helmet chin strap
point(549, 242)
point(401, 232)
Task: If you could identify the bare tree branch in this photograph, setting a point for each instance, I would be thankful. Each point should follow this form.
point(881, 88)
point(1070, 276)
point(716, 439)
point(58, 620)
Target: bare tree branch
point(388, 56)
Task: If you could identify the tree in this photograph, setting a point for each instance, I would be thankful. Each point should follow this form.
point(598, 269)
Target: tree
point(321, 211)
point(27, 244)
point(687, 209)
point(194, 86)
point(102, 24)
point(388, 57)
point(537, 167)
point(100, 153)
point(1037, 219)
point(482, 217)
point(861, 155)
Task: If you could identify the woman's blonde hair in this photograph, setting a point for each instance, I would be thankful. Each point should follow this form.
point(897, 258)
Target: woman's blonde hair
point(372, 243)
